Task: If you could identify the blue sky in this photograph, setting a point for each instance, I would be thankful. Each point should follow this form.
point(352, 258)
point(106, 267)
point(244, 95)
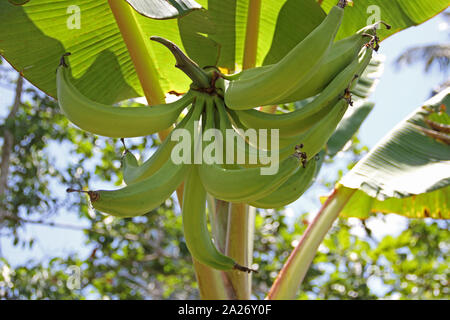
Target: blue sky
point(398, 93)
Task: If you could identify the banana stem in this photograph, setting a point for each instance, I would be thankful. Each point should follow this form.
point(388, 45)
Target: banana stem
point(184, 63)
point(251, 35)
point(240, 247)
point(212, 284)
point(239, 240)
point(290, 278)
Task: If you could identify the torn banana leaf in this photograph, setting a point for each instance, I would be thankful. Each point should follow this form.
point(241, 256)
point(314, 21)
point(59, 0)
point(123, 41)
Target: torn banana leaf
point(408, 171)
point(435, 204)
point(164, 9)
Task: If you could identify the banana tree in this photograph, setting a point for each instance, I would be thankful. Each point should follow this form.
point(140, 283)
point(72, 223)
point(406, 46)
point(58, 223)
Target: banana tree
point(114, 60)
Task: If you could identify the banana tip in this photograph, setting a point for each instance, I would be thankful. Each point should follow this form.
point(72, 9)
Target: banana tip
point(62, 61)
point(243, 268)
point(93, 195)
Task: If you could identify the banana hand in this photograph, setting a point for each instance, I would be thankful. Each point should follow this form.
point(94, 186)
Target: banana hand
point(300, 120)
point(110, 121)
point(271, 85)
point(242, 184)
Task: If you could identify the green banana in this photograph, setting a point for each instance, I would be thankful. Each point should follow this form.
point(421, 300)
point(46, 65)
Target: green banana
point(110, 121)
point(129, 165)
point(311, 144)
point(141, 197)
point(247, 184)
point(289, 191)
point(316, 136)
point(243, 184)
point(340, 55)
point(300, 120)
point(133, 172)
point(313, 140)
point(196, 233)
point(280, 80)
point(260, 155)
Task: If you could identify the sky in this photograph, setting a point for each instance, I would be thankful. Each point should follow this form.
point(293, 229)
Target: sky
point(398, 93)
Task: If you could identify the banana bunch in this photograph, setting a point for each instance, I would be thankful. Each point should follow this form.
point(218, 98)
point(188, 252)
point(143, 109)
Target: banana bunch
point(229, 149)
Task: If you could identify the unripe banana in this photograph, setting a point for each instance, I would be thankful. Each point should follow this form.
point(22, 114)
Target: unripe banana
point(222, 123)
point(340, 55)
point(110, 121)
point(261, 154)
point(314, 139)
point(133, 172)
point(244, 184)
point(141, 197)
point(247, 184)
point(300, 120)
point(289, 191)
point(281, 79)
point(196, 234)
point(242, 154)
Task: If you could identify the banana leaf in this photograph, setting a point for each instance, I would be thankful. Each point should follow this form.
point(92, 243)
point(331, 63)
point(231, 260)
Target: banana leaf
point(408, 171)
point(35, 35)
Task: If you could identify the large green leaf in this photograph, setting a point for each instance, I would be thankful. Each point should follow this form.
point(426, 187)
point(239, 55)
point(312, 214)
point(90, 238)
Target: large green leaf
point(408, 171)
point(35, 35)
point(282, 24)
